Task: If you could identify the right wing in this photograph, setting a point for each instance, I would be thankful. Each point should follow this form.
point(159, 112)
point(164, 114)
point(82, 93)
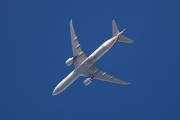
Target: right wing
point(78, 54)
point(94, 72)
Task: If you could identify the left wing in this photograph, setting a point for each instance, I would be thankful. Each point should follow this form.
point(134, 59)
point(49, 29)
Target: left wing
point(94, 72)
point(78, 54)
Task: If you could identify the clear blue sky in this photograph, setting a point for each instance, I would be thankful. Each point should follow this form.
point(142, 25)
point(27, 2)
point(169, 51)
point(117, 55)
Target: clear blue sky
point(35, 43)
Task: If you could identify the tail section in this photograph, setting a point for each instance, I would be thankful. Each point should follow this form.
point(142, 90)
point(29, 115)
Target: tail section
point(121, 37)
point(114, 28)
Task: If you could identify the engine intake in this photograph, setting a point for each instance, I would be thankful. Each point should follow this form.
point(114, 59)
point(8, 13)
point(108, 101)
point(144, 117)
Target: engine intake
point(87, 81)
point(69, 61)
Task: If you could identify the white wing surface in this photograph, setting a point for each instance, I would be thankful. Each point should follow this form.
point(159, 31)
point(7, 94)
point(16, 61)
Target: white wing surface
point(78, 54)
point(95, 73)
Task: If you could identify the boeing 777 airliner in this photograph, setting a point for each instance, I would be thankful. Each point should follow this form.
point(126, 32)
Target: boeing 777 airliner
point(84, 66)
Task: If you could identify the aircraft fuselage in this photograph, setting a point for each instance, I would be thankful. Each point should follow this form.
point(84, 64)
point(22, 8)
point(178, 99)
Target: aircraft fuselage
point(85, 65)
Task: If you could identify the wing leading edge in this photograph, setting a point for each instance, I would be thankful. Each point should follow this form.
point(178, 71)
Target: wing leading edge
point(78, 54)
point(95, 73)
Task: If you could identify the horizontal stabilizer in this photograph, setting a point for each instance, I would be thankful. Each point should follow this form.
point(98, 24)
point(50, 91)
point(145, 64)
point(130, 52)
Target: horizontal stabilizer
point(125, 39)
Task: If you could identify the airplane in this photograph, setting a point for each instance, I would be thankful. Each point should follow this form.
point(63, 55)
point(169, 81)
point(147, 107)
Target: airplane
point(84, 66)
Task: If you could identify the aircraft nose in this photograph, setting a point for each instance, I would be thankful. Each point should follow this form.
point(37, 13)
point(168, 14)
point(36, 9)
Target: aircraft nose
point(58, 89)
point(55, 92)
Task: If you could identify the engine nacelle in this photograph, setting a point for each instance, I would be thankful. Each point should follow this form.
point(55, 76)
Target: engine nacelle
point(69, 61)
point(88, 81)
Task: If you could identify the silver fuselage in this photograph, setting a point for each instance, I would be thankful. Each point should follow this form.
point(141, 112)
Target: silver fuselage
point(85, 65)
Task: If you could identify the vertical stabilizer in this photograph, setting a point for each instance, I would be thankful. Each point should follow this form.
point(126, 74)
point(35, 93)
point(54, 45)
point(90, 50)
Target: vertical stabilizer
point(114, 28)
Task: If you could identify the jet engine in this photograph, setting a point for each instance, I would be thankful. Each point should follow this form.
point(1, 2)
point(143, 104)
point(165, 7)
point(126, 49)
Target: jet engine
point(69, 61)
point(88, 81)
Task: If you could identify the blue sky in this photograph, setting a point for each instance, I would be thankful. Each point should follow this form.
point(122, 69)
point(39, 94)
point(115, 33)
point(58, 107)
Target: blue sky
point(35, 43)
